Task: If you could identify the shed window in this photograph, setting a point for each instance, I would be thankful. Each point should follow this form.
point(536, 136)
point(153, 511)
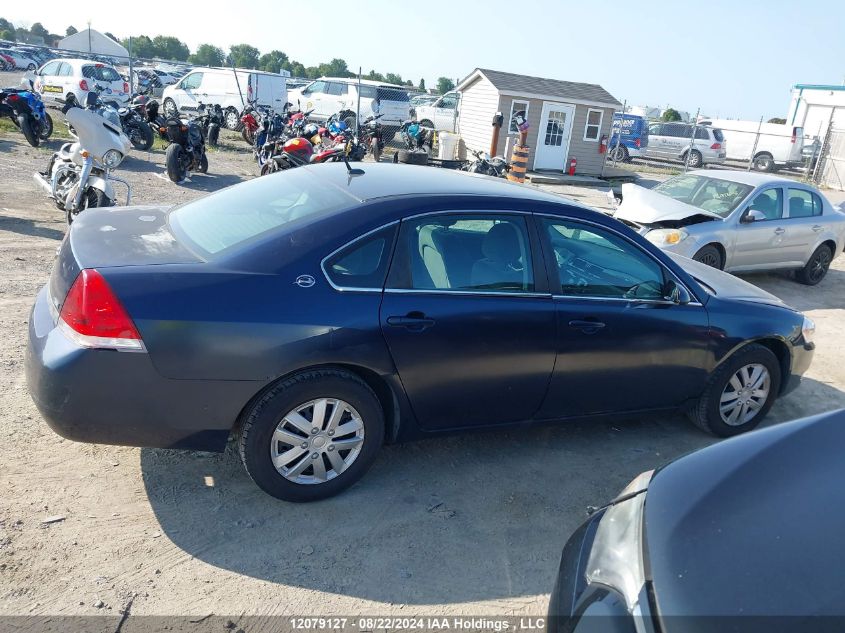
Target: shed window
point(516, 106)
point(593, 126)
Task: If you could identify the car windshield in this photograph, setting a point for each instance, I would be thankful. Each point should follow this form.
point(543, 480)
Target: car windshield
point(713, 195)
point(238, 214)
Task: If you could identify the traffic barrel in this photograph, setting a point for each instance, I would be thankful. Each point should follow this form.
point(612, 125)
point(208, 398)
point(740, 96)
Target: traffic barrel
point(519, 163)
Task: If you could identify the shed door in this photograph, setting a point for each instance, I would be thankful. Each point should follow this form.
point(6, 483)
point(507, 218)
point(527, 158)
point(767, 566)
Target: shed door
point(554, 134)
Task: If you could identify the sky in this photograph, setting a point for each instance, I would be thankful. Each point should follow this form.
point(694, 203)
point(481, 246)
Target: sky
point(731, 59)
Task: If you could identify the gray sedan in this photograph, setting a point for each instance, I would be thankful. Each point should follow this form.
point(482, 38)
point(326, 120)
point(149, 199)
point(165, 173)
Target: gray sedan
point(739, 221)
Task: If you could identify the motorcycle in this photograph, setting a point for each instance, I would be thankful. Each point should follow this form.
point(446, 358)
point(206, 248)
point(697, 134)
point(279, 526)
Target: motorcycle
point(415, 136)
point(79, 176)
point(27, 112)
point(483, 164)
point(134, 123)
point(370, 136)
point(186, 152)
point(211, 120)
point(299, 151)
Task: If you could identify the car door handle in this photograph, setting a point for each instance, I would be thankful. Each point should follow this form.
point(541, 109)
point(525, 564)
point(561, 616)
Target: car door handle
point(817, 228)
point(587, 327)
point(780, 231)
point(415, 322)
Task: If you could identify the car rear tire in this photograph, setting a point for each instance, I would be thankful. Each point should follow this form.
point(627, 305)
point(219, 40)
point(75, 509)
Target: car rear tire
point(233, 119)
point(695, 159)
point(169, 107)
point(292, 440)
point(764, 162)
point(711, 256)
point(619, 154)
point(412, 157)
point(816, 268)
point(739, 393)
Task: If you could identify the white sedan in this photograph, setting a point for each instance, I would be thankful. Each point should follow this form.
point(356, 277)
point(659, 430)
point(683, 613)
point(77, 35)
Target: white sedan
point(739, 221)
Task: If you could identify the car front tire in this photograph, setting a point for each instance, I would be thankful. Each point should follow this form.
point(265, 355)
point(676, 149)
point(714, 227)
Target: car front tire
point(711, 256)
point(312, 435)
point(739, 393)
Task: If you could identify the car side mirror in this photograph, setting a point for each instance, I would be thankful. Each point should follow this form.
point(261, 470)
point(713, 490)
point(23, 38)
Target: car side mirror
point(676, 293)
point(753, 215)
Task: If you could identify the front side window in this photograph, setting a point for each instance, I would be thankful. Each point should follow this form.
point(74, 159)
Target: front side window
point(592, 262)
point(192, 81)
point(655, 129)
point(769, 203)
point(476, 253)
point(804, 204)
point(708, 194)
point(50, 69)
point(336, 88)
point(363, 263)
point(593, 125)
point(449, 102)
point(516, 106)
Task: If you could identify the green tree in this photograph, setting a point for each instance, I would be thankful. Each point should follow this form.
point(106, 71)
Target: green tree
point(5, 25)
point(38, 30)
point(335, 68)
point(374, 76)
point(142, 46)
point(444, 84)
point(312, 72)
point(777, 119)
point(71, 30)
point(169, 47)
point(7, 34)
point(273, 61)
point(422, 84)
point(670, 114)
point(111, 36)
point(208, 55)
point(243, 56)
point(296, 69)
point(393, 78)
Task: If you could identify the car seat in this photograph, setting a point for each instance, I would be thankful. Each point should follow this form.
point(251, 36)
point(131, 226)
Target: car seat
point(501, 264)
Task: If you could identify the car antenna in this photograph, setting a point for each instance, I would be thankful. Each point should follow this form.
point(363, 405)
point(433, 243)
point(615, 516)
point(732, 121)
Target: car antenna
point(352, 171)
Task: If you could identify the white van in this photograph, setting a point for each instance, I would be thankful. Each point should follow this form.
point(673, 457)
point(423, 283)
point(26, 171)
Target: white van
point(229, 88)
point(778, 146)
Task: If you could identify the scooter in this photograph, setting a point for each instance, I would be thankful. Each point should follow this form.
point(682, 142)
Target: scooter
point(78, 176)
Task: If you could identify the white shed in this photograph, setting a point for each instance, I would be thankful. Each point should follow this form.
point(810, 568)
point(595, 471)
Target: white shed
point(91, 41)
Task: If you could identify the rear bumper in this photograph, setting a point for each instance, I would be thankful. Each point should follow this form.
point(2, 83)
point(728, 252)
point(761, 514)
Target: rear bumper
point(110, 397)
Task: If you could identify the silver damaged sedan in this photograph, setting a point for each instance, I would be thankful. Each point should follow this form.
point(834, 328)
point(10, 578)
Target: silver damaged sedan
point(739, 221)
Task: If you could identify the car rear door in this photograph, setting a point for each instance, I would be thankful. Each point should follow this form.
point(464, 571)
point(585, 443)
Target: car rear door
point(468, 318)
point(622, 346)
point(804, 223)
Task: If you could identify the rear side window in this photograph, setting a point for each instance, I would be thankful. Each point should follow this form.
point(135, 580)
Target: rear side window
point(336, 88)
point(804, 204)
point(363, 263)
point(100, 73)
point(701, 134)
point(392, 94)
point(65, 70)
point(368, 92)
point(236, 215)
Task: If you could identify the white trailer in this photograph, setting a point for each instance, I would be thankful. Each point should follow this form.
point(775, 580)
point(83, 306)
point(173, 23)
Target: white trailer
point(776, 146)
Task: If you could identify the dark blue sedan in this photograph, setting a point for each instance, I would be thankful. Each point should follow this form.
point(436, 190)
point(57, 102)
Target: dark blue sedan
point(320, 313)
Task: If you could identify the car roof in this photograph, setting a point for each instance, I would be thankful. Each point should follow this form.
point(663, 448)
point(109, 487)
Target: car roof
point(77, 63)
point(745, 177)
point(364, 82)
point(388, 180)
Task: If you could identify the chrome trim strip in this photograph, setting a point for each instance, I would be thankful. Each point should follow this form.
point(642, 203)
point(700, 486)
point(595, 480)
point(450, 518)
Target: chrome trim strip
point(350, 243)
point(623, 300)
point(488, 293)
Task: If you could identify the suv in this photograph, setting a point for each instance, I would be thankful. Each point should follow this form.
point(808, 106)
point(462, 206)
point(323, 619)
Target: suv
point(442, 115)
point(333, 95)
point(670, 141)
point(63, 79)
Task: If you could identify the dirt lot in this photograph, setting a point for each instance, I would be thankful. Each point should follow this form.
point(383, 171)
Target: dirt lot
point(465, 525)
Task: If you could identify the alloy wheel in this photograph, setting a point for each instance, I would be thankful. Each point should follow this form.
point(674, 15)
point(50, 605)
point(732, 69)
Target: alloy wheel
point(821, 262)
point(232, 119)
point(317, 441)
point(745, 394)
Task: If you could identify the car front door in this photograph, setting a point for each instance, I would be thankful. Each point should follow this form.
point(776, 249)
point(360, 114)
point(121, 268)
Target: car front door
point(468, 319)
point(188, 97)
point(763, 236)
point(314, 97)
point(624, 342)
point(446, 112)
point(49, 83)
point(656, 146)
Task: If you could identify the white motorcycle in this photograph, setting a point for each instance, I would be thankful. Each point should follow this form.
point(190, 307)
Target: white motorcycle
point(78, 176)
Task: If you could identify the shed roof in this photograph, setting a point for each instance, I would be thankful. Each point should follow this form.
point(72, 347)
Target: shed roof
point(540, 87)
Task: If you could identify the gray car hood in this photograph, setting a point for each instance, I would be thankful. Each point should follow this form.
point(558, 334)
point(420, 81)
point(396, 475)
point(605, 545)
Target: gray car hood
point(723, 284)
point(644, 206)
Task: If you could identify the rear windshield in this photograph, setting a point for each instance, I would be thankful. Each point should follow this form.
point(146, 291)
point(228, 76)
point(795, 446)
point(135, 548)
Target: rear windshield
point(100, 73)
point(717, 134)
point(241, 213)
point(709, 194)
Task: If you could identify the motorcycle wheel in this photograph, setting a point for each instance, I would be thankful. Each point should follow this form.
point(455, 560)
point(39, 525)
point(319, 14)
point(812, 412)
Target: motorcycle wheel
point(141, 136)
point(26, 127)
point(175, 161)
point(91, 199)
point(248, 135)
point(270, 167)
point(375, 149)
point(46, 127)
point(203, 166)
point(213, 134)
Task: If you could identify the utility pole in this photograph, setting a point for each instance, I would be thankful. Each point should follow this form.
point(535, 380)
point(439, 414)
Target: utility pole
point(89, 35)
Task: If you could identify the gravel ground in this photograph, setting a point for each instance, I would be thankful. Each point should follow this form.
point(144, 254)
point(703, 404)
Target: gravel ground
point(463, 525)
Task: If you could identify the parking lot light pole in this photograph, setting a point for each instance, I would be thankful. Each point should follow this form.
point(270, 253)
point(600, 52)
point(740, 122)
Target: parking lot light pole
point(691, 140)
point(754, 148)
point(619, 133)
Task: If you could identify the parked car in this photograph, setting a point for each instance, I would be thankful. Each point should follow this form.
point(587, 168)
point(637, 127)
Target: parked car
point(775, 146)
point(231, 90)
point(739, 536)
point(671, 141)
point(738, 221)
point(442, 114)
point(335, 95)
point(63, 79)
point(320, 312)
point(418, 100)
point(20, 61)
point(633, 140)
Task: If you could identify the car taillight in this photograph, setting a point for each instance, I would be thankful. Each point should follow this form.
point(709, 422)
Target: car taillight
point(83, 85)
point(637, 142)
point(92, 315)
point(716, 146)
point(125, 86)
point(794, 135)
